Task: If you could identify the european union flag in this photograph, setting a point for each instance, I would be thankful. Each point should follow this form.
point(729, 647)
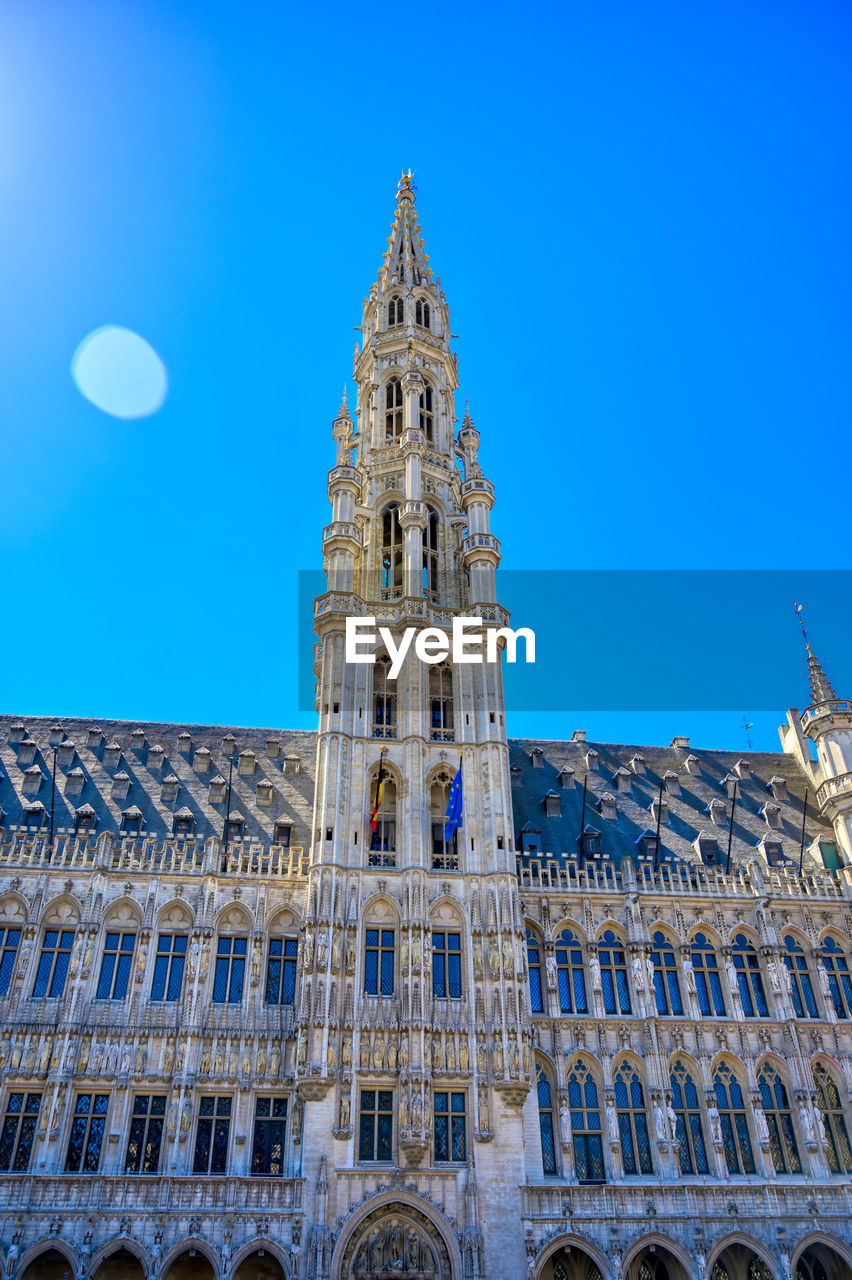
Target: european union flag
point(455, 806)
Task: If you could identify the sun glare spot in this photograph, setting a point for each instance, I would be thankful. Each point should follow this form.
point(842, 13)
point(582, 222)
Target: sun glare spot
point(120, 372)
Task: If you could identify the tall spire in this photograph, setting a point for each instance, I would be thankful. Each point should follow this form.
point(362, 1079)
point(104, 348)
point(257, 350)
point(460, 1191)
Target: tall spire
point(406, 257)
point(821, 687)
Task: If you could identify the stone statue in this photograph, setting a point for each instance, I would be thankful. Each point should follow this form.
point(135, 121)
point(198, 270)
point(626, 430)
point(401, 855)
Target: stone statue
point(376, 1251)
point(275, 1058)
point(364, 1056)
point(481, 1058)
point(194, 953)
point(69, 1056)
point(168, 1057)
point(649, 973)
point(186, 1117)
point(331, 1053)
point(564, 1122)
point(181, 1054)
point(403, 1109)
point(824, 983)
point(415, 948)
point(255, 963)
point(403, 1052)
point(427, 953)
point(451, 1053)
point(140, 1059)
point(412, 1251)
point(494, 961)
point(774, 978)
point(612, 1122)
point(672, 1115)
point(498, 1057)
point(514, 1061)
point(417, 1109)
point(552, 971)
point(83, 1060)
point(142, 960)
point(761, 1125)
point(437, 1052)
point(308, 953)
point(807, 1122)
point(336, 948)
point(219, 1059)
point(44, 1059)
point(245, 1064)
point(393, 1049)
point(6, 1049)
point(301, 1050)
point(18, 1049)
point(403, 951)
point(97, 1058)
point(346, 1051)
point(350, 951)
point(730, 970)
point(595, 971)
point(260, 1064)
point(689, 974)
point(322, 950)
point(715, 1123)
point(126, 1050)
point(638, 970)
point(344, 1111)
point(464, 1054)
point(508, 957)
point(232, 1063)
point(477, 957)
point(379, 1050)
point(659, 1123)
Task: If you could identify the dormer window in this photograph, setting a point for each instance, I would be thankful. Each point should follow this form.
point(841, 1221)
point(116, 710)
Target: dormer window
point(184, 743)
point(393, 409)
point(156, 756)
point(742, 769)
point(292, 765)
point(184, 822)
point(218, 787)
point(590, 842)
point(537, 758)
point(246, 763)
point(137, 740)
point(201, 763)
point(65, 753)
point(771, 814)
point(112, 755)
point(778, 787)
point(120, 786)
point(623, 780)
point(708, 849)
point(692, 765)
point(26, 752)
point(672, 783)
point(427, 413)
point(681, 741)
point(55, 735)
point(772, 851)
point(265, 793)
point(606, 804)
point(17, 733)
point(731, 781)
point(170, 789)
point(553, 804)
point(395, 311)
point(94, 738)
point(85, 819)
point(131, 821)
point(647, 843)
point(229, 745)
point(75, 781)
point(566, 777)
point(273, 748)
point(33, 778)
point(422, 314)
point(515, 775)
point(34, 816)
point(659, 809)
point(718, 811)
point(592, 758)
point(529, 840)
point(236, 825)
point(283, 833)
point(637, 764)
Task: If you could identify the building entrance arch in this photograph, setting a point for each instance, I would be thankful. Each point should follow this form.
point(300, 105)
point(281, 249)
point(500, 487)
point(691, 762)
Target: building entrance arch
point(49, 1265)
point(820, 1261)
point(570, 1262)
point(394, 1242)
point(119, 1265)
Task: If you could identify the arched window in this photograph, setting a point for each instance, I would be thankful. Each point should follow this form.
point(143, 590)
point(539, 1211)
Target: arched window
point(586, 1130)
point(616, 992)
point(652, 1267)
point(427, 413)
point(546, 1122)
point(666, 985)
point(689, 1131)
point(779, 1120)
point(839, 978)
point(570, 975)
point(632, 1120)
point(441, 703)
point(730, 1104)
point(395, 310)
point(801, 987)
point(749, 978)
point(422, 314)
point(382, 830)
point(719, 1272)
point(708, 983)
point(534, 967)
point(757, 1269)
point(393, 409)
point(445, 854)
point(384, 699)
point(391, 552)
point(809, 1267)
point(837, 1149)
point(430, 555)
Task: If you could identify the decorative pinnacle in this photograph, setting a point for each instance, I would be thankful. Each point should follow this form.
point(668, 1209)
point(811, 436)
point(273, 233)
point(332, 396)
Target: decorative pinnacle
point(821, 687)
point(404, 189)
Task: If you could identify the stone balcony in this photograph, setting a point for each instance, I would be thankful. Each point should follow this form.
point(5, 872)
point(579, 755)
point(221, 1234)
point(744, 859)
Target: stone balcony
point(837, 708)
point(174, 856)
point(839, 788)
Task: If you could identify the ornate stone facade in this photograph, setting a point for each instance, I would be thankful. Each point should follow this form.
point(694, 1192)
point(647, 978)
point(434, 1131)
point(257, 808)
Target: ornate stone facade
point(261, 1019)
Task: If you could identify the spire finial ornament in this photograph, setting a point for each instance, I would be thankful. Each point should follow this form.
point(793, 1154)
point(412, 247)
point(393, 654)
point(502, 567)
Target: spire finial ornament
point(821, 687)
point(404, 190)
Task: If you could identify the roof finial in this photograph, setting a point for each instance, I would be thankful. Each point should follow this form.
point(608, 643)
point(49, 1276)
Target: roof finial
point(821, 688)
point(405, 190)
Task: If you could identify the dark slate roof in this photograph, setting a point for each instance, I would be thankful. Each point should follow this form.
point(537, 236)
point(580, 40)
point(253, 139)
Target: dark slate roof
point(687, 815)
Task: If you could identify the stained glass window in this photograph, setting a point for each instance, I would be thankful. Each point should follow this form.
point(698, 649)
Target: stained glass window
point(689, 1131)
point(546, 1122)
point(19, 1126)
point(632, 1120)
point(534, 966)
point(168, 966)
point(839, 978)
point(270, 1127)
point(613, 962)
point(666, 985)
point(449, 1126)
point(146, 1133)
point(87, 1133)
point(281, 970)
point(570, 976)
point(730, 1103)
point(10, 940)
point(115, 966)
point(708, 983)
point(837, 1147)
point(53, 962)
point(212, 1134)
point(801, 986)
point(375, 1131)
point(229, 977)
point(779, 1120)
point(758, 1270)
point(585, 1123)
point(749, 978)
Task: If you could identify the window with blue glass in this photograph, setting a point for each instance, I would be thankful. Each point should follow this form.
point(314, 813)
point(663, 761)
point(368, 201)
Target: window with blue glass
point(169, 964)
point(570, 975)
point(87, 1133)
point(836, 1146)
point(449, 1127)
point(708, 982)
point(115, 966)
point(632, 1120)
point(19, 1127)
point(446, 965)
point(270, 1131)
point(378, 962)
point(586, 1131)
point(613, 962)
point(839, 978)
point(666, 984)
point(546, 1124)
point(534, 967)
point(212, 1135)
point(779, 1120)
point(749, 978)
point(53, 962)
point(10, 940)
point(736, 1140)
point(801, 986)
point(146, 1133)
point(689, 1131)
point(230, 973)
point(375, 1125)
point(281, 970)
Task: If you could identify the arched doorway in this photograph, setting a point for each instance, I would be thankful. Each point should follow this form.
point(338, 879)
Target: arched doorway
point(192, 1264)
point(570, 1263)
point(397, 1239)
point(820, 1262)
point(121, 1265)
point(739, 1262)
point(50, 1265)
point(655, 1262)
point(260, 1265)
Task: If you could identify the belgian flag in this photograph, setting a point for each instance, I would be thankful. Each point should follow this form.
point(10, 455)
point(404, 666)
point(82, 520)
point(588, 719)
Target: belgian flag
point(380, 782)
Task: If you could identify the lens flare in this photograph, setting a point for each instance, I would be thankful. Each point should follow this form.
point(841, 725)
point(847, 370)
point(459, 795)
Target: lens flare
point(120, 372)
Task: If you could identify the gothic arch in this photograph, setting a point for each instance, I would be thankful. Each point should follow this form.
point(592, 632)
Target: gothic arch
point(692, 1065)
point(831, 931)
point(750, 934)
point(115, 1246)
point(170, 908)
point(747, 1242)
point(124, 911)
point(245, 1250)
point(727, 1058)
point(658, 1238)
point(773, 1060)
point(53, 912)
point(44, 1246)
point(368, 909)
point(412, 1214)
point(283, 919)
point(793, 930)
point(711, 933)
point(454, 913)
point(183, 1246)
point(574, 925)
point(570, 1240)
point(14, 908)
point(617, 928)
point(839, 1247)
point(233, 915)
point(667, 929)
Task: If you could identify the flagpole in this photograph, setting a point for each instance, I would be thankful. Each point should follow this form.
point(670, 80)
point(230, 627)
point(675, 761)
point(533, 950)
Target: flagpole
point(731, 827)
point(804, 817)
point(582, 835)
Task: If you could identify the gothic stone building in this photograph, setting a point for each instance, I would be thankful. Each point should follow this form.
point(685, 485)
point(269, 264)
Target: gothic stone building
point(603, 1033)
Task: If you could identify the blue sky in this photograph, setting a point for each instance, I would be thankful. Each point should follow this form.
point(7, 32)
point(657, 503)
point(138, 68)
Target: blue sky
point(640, 217)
